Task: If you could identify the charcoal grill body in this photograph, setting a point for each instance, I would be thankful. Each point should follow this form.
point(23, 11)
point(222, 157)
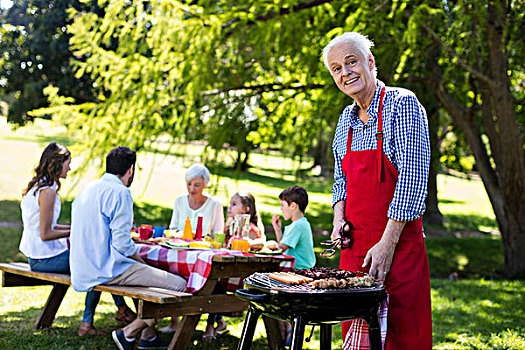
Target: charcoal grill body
point(318, 307)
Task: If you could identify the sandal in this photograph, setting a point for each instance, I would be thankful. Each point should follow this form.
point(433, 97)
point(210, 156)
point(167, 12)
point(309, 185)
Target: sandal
point(208, 338)
point(221, 330)
point(126, 317)
point(87, 328)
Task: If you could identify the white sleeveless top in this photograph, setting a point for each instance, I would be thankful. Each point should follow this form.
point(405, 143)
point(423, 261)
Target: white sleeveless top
point(31, 243)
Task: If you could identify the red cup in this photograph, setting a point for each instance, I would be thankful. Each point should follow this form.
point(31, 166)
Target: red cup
point(144, 233)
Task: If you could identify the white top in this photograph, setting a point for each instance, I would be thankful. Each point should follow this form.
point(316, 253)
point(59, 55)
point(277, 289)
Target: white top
point(31, 243)
point(211, 210)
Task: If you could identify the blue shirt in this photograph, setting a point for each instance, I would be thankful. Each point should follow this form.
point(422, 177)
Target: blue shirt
point(405, 143)
point(298, 236)
point(101, 221)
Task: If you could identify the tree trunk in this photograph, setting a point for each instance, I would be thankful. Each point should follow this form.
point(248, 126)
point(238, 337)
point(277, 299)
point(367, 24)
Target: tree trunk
point(502, 172)
point(321, 153)
point(432, 214)
point(512, 167)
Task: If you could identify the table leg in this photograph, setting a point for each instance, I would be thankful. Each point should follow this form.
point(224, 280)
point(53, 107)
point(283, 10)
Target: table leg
point(374, 331)
point(326, 336)
point(297, 340)
point(273, 333)
point(248, 329)
point(182, 337)
point(47, 315)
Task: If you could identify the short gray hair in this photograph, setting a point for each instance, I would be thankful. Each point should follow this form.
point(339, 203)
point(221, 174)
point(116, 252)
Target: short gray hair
point(198, 170)
point(361, 41)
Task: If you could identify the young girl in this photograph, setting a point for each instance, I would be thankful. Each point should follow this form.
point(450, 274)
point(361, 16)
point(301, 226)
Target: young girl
point(44, 241)
point(244, 203)
point(240, 203)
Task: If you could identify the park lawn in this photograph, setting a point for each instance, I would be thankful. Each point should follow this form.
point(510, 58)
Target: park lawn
point(472, 313)
point(467, 314)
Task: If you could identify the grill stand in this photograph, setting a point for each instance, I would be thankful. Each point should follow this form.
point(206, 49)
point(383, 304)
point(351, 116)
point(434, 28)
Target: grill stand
point(248, 329)
point(298, 326)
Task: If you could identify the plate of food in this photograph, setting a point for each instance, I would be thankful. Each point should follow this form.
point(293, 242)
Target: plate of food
point(175, 243)
point(267, 252)
point(268, 248)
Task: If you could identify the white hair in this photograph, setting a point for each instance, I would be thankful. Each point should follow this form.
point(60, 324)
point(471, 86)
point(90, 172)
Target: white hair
point(359, 40)
point(198, 170)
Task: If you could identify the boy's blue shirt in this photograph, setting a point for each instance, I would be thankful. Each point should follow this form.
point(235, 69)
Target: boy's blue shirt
point(298, 236)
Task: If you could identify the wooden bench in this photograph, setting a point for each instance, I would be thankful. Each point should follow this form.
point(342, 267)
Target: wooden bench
point(153, 302)
point(19, 274)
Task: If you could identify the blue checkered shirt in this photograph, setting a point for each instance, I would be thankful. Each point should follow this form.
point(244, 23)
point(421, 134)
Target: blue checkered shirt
point(405, 143)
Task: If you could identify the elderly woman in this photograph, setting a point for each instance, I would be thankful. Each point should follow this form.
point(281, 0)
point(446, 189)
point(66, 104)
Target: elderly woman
point(196, 203)
point(192, 205)
point(382, 155)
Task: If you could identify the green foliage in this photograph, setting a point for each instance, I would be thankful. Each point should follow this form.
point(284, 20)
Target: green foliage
point(240, 75)
point(34, 53)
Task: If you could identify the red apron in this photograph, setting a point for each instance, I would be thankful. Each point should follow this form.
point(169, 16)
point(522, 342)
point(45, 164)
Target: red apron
point(371, 181)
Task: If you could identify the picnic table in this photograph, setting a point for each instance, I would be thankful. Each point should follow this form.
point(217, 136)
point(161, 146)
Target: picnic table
point(204, 269)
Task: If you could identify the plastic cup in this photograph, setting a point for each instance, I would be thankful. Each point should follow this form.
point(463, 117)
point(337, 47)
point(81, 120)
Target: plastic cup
point(158, 231)
point(144, 233)
point(219, 238)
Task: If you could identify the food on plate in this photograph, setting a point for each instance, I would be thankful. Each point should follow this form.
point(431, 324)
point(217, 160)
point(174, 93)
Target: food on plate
point(200, 244)
point(271, 245)
point(177, 242)
point(157, 239)
point(256, 246)
point(289, 278)
point(215, 245)
point(350, 282)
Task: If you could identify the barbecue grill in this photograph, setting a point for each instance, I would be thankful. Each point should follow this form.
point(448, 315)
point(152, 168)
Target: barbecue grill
point(302, 305)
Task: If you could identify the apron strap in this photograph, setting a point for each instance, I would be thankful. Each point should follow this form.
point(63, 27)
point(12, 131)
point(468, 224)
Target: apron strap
point(379, 137)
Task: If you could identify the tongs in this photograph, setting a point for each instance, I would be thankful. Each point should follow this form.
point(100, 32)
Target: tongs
point(329, 252)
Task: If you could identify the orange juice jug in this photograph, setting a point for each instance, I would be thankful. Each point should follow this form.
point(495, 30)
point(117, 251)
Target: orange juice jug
point(244, 245)
point(187, 234)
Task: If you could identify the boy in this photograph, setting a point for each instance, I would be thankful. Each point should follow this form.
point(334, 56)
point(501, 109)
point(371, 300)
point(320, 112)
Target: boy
point(297, 239)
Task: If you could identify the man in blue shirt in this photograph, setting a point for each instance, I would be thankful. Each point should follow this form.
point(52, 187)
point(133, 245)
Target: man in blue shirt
point(102, 251)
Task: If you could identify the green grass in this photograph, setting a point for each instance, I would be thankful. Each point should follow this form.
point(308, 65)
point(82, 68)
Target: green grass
point(467, 314)
point(478, 314)
point(481, 310)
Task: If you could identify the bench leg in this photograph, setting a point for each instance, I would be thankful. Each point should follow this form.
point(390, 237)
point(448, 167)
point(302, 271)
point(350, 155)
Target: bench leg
point(47, 315)
point(182, 337)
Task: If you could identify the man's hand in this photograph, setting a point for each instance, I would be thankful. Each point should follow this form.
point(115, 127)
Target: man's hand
point(137, 257)
point(380, 256)
point(339, 221)
point(338, 231)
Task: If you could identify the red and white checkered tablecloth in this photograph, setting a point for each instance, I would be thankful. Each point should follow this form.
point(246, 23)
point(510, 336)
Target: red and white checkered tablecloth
point(195, 264)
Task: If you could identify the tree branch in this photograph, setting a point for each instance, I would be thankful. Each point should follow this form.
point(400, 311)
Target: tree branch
point(282, 11)
point(461, 62)
point(265, 88)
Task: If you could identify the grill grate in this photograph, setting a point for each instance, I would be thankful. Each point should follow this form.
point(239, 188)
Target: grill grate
point(263, 281)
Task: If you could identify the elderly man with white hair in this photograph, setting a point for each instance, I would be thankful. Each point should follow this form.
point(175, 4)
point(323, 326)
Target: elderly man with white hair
point(382, 154)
